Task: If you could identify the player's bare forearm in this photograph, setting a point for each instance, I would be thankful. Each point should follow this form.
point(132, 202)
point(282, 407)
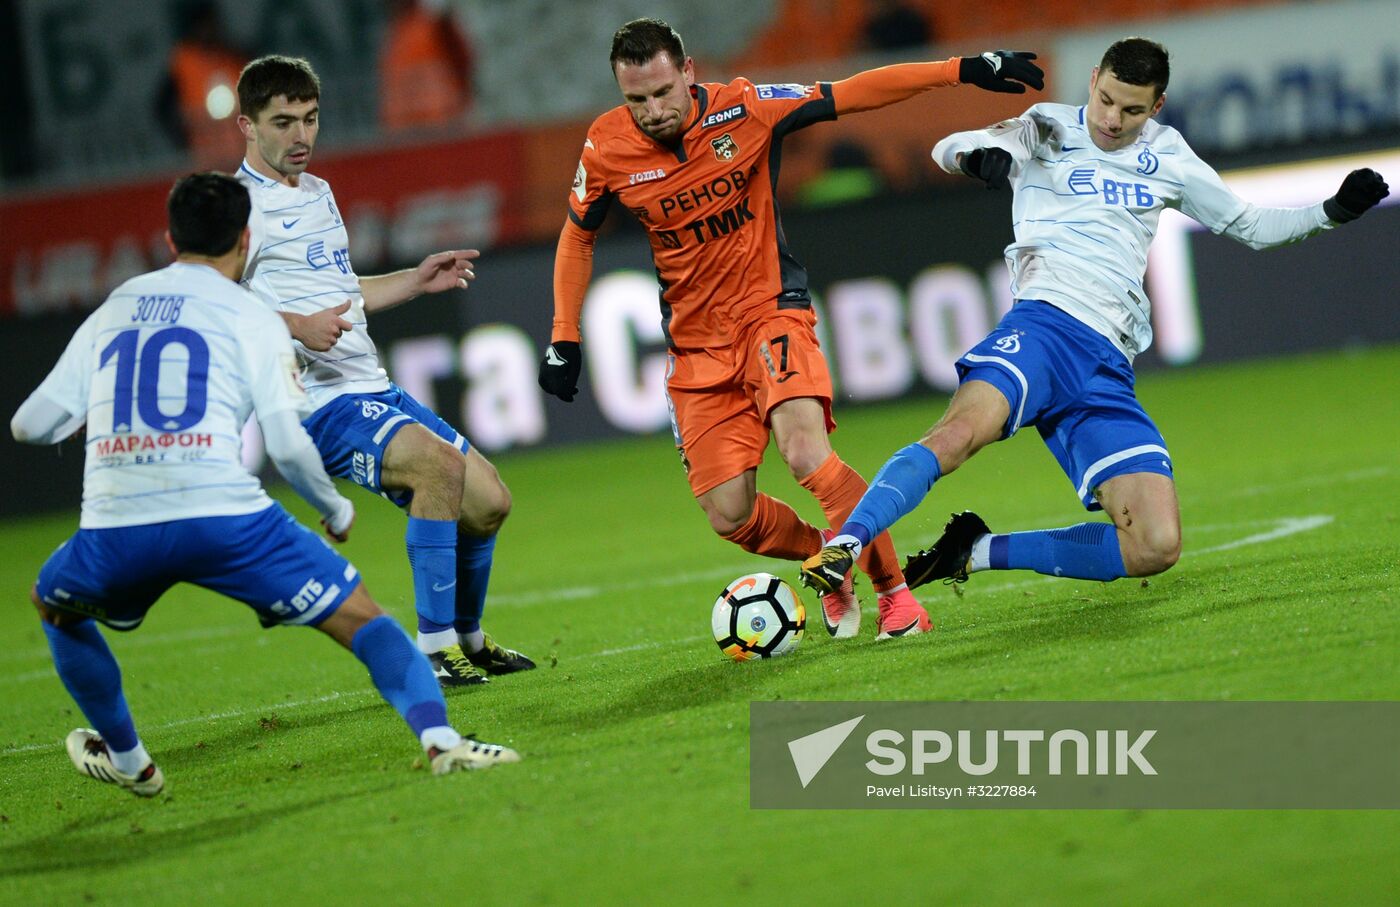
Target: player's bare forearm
point(384, 291)
point(887, 85)
point(441, 271)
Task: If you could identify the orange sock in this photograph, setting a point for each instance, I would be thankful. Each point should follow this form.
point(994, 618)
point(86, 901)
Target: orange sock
point(838, 488)
point(775, 530)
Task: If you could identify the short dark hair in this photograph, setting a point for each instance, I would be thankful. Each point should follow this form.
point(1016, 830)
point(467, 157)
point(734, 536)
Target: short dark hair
point(1138, 61)
point(641, 39)
point(208, 212)
point(267, 77)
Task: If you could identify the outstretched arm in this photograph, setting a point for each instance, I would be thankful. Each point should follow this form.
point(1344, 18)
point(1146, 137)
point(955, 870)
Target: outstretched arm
point(1209, 201)
point(434, 274)
point(1002, 70)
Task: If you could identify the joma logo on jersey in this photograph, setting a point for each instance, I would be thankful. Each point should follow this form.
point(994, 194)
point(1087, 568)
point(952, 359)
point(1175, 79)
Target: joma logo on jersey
point(725, 147)
point(737, 112)
point(373, 409)
point(646, 176)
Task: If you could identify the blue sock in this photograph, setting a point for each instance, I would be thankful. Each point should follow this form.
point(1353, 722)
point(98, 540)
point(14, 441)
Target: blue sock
point(89, 671)
point(432, 553)
point(401, 673)
point(1086, 551)
point(897, 489)
point(473, 573)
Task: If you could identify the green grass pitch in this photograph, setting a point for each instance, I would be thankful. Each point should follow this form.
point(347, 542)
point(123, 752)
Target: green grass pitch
point(288, 779)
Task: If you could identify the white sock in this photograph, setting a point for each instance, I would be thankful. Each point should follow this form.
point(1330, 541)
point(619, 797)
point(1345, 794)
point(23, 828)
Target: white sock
point(428, 643)
point(473, 642)
point(131, 762)
point(442, 737)
point(846, 541)
point(981, 554)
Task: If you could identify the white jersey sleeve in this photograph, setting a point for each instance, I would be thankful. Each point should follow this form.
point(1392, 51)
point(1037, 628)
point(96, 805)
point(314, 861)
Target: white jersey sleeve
point(1206, 199)
point(280, 403)
point(268, 356)
point(66, 387)
point(1019, 135)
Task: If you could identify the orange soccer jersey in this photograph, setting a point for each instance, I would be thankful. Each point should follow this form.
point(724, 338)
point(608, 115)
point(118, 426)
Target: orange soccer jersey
point(708, 204)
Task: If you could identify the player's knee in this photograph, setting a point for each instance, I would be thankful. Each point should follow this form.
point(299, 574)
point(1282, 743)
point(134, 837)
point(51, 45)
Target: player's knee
point(493, 508)
point(438, 474)
point(1156, 550)
point(804, 455)
point(727, 517)
point(357, 610)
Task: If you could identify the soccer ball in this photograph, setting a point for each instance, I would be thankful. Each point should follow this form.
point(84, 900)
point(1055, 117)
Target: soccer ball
point(758, 616)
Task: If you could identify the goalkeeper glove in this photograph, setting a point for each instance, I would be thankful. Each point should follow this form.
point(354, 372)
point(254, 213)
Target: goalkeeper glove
point(1361, 191)
point(1002, 70)
point(559, 369)
point(990, 165)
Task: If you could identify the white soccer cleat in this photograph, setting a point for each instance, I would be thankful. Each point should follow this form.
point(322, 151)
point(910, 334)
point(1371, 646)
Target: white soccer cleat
point(90, 757)
point(469, 755)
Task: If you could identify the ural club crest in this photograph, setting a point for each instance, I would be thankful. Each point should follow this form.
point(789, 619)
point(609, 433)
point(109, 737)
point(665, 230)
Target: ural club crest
point(725, 148)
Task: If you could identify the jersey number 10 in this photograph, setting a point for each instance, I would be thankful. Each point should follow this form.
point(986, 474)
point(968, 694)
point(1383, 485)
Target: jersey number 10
point(147, 383)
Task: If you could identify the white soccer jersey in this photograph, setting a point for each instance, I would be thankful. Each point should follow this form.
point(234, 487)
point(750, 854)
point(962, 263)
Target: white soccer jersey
point(167, 370)
point(299, 262)
point(1084, 217)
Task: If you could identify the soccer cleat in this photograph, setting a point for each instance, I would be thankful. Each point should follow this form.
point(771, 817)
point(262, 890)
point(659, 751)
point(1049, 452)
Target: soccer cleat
point(452, 669)
point(469, 755)
point(901, 615)
point(948, 558)
point(826, 570)
point(90, 757)
point(497, 659)
point(840, 609)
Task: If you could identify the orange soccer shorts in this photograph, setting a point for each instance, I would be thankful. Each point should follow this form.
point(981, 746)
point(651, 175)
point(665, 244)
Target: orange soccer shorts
point(721, 397)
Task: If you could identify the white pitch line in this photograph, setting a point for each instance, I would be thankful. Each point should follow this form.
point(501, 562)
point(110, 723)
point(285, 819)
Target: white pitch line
point(1287, 526)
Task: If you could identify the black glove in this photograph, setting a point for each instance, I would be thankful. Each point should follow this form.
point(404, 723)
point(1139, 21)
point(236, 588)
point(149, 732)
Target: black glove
point(1361, 191)
point(995, 70)
point(990, 165)
point(559, 369)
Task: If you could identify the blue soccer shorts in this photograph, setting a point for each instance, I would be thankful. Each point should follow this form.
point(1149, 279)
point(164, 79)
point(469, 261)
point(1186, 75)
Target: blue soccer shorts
point(267, 560)
point(351, 433)
point(1076, 388)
